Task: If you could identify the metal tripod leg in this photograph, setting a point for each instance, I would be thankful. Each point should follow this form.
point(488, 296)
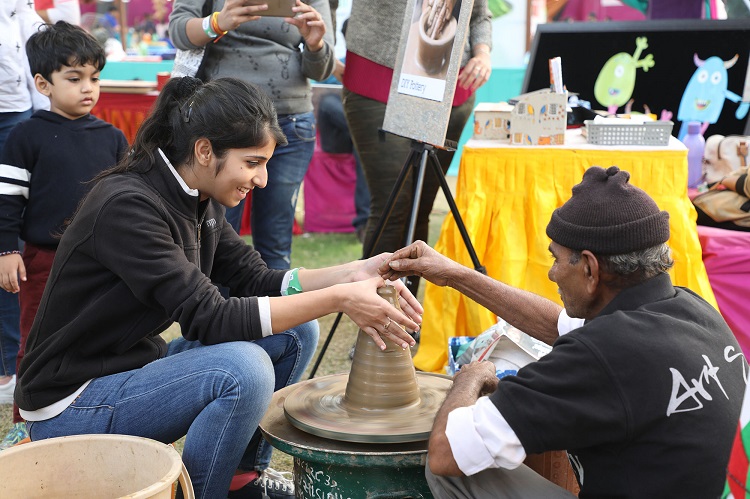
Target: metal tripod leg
point(456, 215)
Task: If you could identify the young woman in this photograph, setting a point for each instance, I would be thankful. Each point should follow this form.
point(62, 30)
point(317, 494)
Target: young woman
point(142, 252)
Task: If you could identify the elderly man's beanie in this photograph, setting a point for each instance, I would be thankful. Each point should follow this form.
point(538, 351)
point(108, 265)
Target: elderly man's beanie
point(608, 216)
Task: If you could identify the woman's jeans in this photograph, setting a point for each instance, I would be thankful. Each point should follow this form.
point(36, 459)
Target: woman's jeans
point(215, 395)
point(272, 216)
point(10, 310)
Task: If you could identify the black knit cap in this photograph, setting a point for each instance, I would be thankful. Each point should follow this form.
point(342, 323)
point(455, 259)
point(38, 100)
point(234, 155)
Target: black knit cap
point(608, 216)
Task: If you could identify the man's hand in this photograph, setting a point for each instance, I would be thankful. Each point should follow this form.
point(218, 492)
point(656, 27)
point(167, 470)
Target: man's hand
point(11, 268)
point(421, 260)
point(470, 383)
point(479, 377)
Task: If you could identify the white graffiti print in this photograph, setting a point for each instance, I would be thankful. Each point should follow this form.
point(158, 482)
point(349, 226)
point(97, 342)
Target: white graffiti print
point(730, 357)
point(690, 397)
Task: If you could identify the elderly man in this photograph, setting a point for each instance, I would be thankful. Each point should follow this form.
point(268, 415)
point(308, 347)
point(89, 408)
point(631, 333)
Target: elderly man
point(643, 386)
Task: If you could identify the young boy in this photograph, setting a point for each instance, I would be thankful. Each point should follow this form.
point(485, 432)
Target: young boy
point(46, 164)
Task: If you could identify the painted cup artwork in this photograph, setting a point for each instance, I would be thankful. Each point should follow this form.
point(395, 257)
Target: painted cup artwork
point(436, 35)
point(430, 41)
point(432, 45)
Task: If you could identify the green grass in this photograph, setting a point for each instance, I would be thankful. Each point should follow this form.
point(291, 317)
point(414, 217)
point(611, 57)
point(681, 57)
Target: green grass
point(311, 250)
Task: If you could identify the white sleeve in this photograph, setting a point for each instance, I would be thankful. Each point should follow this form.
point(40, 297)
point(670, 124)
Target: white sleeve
point(566, 324)
point(29, 23)
point(264, 307)
point(65, 10)
point(264, 311)
point(481, 438)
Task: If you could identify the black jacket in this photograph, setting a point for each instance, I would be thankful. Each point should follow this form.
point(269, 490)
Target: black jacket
point(645, 397)
point(140, 254)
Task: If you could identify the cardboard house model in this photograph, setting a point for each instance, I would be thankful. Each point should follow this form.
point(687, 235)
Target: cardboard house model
point(539, 118)
point(492, 121)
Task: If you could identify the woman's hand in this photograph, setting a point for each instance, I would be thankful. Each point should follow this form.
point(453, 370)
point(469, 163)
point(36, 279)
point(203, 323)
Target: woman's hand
point(375, 316)
point(11, 267)
point(236, 12)
point(408, 302)
point(310, 24)
point(478, 70)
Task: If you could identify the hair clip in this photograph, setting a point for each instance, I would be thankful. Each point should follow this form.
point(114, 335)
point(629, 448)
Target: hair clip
point(186, 113)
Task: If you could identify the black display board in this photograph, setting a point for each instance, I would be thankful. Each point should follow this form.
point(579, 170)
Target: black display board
point(586, 47)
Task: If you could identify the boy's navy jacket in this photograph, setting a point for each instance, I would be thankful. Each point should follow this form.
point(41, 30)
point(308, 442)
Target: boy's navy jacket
point(44, 172)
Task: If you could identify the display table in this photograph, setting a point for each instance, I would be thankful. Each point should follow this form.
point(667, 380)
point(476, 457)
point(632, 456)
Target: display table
point(506, 195)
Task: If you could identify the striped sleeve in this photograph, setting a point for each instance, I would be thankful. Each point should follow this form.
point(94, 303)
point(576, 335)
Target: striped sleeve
point(15, 178)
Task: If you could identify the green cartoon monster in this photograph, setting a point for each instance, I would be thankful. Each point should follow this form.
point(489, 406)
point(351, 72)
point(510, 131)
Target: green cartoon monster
point(614, 85)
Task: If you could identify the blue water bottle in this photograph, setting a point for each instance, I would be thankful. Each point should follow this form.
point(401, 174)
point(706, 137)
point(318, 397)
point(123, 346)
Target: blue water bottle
point(695, 144)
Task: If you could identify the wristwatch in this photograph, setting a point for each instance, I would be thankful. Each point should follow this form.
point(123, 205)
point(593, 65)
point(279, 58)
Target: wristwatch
point(207, 27)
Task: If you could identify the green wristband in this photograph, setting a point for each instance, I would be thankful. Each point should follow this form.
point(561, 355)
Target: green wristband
point(206, 24)
point(294, 286)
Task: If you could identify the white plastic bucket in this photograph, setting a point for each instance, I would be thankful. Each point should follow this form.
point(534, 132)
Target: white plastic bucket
point(92, 466)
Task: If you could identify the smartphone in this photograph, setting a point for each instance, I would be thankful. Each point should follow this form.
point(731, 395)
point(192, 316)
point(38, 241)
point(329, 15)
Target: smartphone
point(276, 8)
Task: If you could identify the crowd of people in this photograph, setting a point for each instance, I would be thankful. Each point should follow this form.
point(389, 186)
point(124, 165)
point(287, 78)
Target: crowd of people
point(82, 350)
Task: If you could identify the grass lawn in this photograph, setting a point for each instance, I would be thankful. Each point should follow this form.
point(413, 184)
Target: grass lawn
point(313, 250)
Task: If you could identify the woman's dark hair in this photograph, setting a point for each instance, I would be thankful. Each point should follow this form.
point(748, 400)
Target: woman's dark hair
point(230, 113)
point(62, 44)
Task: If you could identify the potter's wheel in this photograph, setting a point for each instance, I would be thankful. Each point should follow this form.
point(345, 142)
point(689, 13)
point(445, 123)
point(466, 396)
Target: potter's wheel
point(381, 400)
point(319, 407)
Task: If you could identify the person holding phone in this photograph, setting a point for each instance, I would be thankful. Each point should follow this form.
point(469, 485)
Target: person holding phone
point(280, 55)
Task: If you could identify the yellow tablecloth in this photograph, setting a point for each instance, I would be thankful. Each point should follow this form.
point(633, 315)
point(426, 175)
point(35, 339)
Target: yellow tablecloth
point(506, 195)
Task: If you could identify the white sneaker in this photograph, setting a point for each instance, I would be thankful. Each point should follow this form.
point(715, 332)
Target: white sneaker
point(6, 391)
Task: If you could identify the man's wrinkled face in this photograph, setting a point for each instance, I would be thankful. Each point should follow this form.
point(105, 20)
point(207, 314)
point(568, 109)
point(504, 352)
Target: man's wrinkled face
point(570, 272)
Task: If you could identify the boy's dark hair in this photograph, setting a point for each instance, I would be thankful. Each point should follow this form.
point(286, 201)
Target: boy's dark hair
point(62, 44)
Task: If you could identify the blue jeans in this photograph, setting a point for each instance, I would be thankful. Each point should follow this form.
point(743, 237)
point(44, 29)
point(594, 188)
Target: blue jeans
point(10, 332)
point(361, 196)
point(216, 395)
point(10, 309)
point(272, 216)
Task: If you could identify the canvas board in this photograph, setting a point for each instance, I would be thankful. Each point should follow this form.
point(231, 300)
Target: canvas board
point(426, 71)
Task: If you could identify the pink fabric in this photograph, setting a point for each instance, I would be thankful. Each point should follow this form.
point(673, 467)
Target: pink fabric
point(329, 192)
point(726, 254)
point(372, 80)
point(588, 10)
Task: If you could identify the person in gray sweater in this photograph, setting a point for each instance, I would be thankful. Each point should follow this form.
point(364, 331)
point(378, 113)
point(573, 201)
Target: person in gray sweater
point(279, 55)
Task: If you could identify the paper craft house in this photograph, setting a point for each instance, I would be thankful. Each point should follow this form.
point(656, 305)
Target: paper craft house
point(539, 118)
point(492, 121)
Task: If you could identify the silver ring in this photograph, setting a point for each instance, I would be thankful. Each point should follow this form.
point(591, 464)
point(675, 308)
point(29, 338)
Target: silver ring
point(388, 324)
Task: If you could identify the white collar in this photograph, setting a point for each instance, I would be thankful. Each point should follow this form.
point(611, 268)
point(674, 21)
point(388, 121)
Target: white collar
point(192, 192)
